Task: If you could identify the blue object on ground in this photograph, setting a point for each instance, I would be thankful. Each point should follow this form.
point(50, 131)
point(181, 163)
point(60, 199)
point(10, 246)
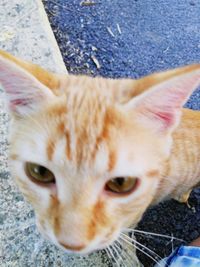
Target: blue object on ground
point(184, 256)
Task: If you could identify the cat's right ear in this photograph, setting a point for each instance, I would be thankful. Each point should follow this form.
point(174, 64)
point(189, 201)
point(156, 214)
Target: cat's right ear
point(125, 89)
point(160, 106)
point(25, 93)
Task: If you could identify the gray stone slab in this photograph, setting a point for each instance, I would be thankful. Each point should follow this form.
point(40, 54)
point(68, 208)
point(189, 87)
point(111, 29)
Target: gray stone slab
point(25, 32)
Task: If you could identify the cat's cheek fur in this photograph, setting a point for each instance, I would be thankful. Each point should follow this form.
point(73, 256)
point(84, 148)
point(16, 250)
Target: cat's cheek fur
point(38, 197)
point(133, 207)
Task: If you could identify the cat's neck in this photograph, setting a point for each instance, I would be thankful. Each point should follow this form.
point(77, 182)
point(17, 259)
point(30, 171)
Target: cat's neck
point(183, 166)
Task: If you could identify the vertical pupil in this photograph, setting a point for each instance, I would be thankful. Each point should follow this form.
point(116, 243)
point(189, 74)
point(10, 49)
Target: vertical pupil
point(120, 181)
point(40, 170)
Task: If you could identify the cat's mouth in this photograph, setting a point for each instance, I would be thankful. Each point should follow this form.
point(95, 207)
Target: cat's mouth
point(79, 248)
point(73, 248)
point(84, 249)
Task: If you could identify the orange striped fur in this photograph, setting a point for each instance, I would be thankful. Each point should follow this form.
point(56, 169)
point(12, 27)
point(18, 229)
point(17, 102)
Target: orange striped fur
point(87, 131)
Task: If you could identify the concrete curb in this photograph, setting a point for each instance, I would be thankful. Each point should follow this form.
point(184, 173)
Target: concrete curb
point(26, 32)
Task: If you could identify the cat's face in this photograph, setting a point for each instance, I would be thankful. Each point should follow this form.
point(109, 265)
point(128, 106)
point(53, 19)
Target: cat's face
point(88, 164)
point(85, 140)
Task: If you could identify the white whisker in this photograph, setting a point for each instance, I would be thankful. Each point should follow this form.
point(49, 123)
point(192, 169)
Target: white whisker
point(130, 258)
point(144, 252)
point(108, 253)
point(143, 246)
point(118, 248)
point(114, 258)
point(115, 248)
point(154, 234)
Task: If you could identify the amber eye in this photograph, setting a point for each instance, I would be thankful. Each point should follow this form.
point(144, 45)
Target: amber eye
point(39, 173)
point(121, 185)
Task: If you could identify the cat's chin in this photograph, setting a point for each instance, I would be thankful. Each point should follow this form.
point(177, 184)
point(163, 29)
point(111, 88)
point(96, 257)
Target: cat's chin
point(84, 252)
point(88, 250)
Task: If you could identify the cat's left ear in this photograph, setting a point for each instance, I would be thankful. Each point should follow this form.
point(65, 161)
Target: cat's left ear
point(160, 106)
point(25, 94)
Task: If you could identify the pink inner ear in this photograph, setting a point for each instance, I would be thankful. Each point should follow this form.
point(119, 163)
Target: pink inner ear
point(162, 104)
point(19, 102)
point(165, 118)
point(24, 92)
point(168, 118)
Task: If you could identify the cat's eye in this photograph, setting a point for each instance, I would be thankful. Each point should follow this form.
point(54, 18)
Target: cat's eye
point(38, 173)
point(121, 185)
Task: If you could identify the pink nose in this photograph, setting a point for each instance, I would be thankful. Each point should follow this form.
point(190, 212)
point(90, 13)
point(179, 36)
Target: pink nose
point(73, 248)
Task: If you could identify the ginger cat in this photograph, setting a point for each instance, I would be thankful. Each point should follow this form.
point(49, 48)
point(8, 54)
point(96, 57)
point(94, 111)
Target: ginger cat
point(92, 154)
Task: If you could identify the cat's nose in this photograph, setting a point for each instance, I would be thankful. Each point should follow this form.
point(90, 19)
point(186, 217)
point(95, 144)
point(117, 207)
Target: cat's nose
point(72, 247)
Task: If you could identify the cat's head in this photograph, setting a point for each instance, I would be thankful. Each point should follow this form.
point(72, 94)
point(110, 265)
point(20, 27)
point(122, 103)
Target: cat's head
point(89, 163)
